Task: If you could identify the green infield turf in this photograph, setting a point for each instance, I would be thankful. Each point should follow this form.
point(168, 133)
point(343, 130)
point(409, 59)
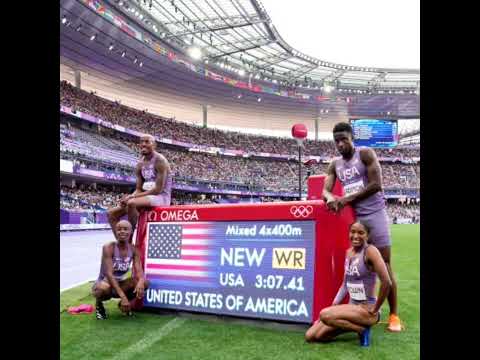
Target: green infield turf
point(152, 336)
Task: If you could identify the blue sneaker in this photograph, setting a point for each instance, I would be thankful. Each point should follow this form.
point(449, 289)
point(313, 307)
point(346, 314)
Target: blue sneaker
point(365, 337)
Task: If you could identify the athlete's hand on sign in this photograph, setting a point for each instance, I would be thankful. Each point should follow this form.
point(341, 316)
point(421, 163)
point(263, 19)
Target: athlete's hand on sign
point(125, 305)
point(337, 204)
point(331, 204)
point(139, 289)
point(341, 203)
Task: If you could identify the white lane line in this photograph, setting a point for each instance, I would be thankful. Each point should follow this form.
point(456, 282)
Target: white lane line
point(75, 285)
point(150, 339)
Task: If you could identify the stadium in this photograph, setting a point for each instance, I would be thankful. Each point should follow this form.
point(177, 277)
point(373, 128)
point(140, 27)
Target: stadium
point(220, 90)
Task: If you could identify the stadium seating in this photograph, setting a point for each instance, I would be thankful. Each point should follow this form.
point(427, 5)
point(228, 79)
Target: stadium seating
point(168, 128)
point(94, 149)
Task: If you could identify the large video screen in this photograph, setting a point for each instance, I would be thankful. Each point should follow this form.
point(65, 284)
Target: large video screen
point(377, 133)
point(261, 269)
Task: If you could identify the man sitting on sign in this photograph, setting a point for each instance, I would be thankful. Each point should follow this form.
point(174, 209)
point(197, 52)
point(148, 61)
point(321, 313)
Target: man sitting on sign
point(154, 185)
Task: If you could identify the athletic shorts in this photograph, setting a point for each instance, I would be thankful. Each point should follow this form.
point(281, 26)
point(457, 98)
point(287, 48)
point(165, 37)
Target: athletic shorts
point(159, 200)
point(130, 294)
point(379, 228)
point(128, 275)
point(370, 301)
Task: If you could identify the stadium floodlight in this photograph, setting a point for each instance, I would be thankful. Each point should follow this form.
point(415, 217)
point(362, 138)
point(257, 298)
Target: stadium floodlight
point(93, 37)
point(195, 52)
point(110, 48)
point(64, 20)
point(241, 72)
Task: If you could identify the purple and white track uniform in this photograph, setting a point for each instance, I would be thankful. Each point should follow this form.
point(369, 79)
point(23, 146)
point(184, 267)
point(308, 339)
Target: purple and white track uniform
point(121, 265)
point(149, 174)
point(371, 211)
point(359, 280)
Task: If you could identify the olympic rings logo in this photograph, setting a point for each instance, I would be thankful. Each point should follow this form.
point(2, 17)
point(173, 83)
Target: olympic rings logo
point(301, 211)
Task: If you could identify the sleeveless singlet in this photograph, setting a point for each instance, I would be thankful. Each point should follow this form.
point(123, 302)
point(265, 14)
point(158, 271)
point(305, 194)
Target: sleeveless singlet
point(352, 174)
point(121, 265)
point(149, 174)
point(360, 280)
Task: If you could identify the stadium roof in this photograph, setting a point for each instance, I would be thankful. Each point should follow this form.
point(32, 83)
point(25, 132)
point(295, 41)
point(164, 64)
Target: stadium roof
point(239, 36)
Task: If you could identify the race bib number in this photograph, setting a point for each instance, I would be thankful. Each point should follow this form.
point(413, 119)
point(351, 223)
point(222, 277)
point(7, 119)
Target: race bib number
point(148, 185)
point(353, 187)
point(356, 291)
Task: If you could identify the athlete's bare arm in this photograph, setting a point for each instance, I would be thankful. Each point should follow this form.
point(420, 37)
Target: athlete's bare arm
point(374, 175)
point(328, 185)
point(342, 290)
point(162, 167)
point(140, 180)
point(138, 186)
point(375, 259)
point(140, 287)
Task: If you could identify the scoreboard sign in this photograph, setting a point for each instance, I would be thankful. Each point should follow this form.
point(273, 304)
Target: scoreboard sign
point(261, 269)
point(379, 133)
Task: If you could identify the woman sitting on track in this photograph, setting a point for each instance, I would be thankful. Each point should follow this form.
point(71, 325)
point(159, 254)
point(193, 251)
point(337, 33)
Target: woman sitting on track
point(363, 262)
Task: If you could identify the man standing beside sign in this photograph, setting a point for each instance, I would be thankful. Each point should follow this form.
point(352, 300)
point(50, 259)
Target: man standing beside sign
point(361, 177)
point(153, 188)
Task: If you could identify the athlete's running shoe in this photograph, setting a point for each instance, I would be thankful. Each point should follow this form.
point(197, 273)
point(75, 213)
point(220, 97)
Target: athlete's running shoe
point(394, 323)
point(100, 312)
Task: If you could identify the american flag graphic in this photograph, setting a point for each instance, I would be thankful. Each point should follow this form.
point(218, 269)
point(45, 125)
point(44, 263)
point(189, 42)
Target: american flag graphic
point(180, 253)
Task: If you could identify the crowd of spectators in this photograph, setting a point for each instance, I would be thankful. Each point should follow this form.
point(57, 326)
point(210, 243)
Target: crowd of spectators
point(101, 198)
point(88, 198)
point(187, 166)
point(399, 176)
point(142, 121)
point(251, 173)
point(406, 210)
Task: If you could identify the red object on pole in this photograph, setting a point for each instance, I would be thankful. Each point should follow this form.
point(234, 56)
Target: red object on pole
point(299, 131)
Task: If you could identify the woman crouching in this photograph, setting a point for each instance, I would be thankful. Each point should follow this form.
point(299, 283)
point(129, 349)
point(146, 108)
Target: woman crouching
point(362, 264)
